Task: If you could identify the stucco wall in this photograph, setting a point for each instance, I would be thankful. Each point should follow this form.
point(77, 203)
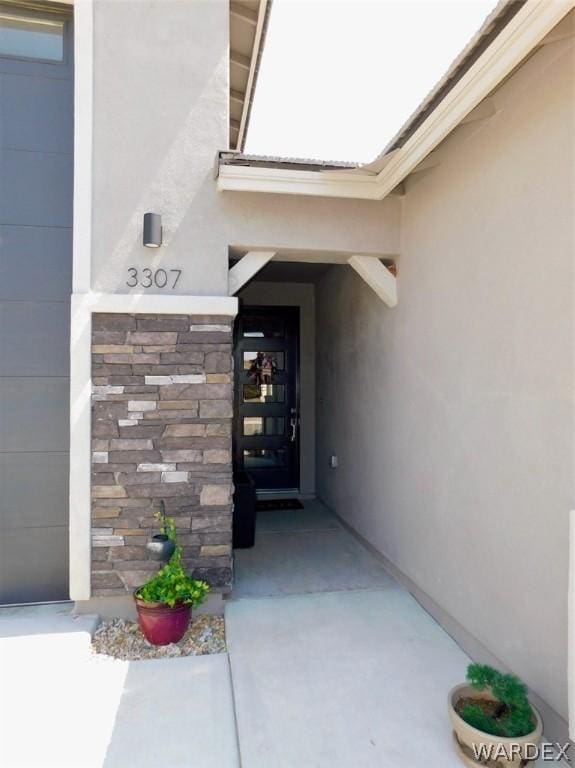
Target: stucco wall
point(452, 414)
point(160, 116)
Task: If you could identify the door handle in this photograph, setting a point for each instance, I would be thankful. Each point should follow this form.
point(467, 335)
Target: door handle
point(293, 424)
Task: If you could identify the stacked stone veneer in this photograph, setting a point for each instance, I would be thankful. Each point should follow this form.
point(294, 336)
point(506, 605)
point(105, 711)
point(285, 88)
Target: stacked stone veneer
point(161, 430)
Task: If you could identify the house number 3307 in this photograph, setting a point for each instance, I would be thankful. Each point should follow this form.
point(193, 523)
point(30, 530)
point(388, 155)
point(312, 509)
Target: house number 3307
point(148, 278)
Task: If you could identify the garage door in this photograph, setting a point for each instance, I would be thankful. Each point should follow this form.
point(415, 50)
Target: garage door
point(36, 171)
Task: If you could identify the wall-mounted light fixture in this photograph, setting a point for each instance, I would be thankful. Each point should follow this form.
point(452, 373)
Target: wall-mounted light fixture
point(152, 230)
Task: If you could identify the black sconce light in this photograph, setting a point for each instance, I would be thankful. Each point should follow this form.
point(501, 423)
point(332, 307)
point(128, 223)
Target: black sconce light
point(152, 230)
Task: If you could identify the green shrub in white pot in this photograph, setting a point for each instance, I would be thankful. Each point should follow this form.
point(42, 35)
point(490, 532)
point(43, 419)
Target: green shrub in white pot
point(494, 724)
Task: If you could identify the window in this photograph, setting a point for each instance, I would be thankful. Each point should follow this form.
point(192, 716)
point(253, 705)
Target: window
point(264, 393)
point(263, 328)
point(264, 458)
point(259, 425)
point(254, 361)
point(31, 37)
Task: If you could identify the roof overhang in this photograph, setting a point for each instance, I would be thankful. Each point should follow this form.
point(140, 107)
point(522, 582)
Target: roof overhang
point(284, 179)
point(519, 35)
point(248, 21)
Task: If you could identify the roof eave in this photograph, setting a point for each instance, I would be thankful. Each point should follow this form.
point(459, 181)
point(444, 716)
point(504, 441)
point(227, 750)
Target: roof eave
point(513, 43)
point(260, 29)
point(261, 32)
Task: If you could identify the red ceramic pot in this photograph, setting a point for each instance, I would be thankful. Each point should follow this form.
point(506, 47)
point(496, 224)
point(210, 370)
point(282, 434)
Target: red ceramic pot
point(161, 624)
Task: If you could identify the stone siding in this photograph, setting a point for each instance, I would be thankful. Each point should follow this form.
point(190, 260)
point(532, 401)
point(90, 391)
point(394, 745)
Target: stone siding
point(161, 430)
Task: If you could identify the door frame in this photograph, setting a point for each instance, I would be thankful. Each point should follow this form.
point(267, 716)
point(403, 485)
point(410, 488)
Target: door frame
point(236, 421)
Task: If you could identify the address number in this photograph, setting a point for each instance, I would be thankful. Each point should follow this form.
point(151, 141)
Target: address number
point(147, 278)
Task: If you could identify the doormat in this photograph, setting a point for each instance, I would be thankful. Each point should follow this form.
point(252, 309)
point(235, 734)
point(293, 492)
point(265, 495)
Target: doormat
point(268, 504)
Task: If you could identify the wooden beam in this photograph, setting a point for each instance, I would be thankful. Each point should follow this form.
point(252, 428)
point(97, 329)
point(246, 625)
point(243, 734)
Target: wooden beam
point(237, 96)
point(240, 60)
point(246, 268)
point(377, 276)
point(243, 13)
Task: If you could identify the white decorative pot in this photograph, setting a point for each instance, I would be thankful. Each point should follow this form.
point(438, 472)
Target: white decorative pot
point(475, 747)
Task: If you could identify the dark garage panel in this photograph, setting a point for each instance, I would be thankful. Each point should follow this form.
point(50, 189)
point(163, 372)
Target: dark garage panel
point(33, 564)
point(35, 117)
point(35, 414)
point(39, 191)
point(34, 490)
point(34, 338)
point(36, 190)
point(35, 263)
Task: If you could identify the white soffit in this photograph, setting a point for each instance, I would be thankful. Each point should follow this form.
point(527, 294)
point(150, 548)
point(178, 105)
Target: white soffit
point(516, 40)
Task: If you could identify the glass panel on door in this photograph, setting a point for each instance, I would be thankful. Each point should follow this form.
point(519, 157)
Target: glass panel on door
point(268, 425)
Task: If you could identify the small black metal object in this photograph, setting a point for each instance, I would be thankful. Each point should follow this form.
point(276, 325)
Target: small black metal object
point(161, 547)
point(152, 230)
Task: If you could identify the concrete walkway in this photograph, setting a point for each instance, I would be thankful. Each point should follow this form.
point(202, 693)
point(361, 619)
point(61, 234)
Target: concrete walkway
point(304, 552)
point(334, 665)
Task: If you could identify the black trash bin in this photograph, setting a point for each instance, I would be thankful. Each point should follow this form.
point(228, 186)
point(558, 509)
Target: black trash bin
point(244, 520)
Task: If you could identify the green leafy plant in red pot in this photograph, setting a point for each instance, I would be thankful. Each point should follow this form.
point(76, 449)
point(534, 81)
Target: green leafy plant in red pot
point(165, 602)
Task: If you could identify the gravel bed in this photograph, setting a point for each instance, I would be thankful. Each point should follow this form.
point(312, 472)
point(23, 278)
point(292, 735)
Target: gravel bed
point(124, 640)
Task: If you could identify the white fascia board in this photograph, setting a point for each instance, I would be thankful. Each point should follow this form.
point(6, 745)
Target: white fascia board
point(527, 28)
point(245, 178)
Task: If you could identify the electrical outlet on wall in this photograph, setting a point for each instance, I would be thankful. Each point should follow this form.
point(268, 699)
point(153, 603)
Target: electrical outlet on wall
point(333, 462)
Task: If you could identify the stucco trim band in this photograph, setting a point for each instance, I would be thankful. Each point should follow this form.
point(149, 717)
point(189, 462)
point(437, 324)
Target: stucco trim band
point(83, 129)
point(83, 305)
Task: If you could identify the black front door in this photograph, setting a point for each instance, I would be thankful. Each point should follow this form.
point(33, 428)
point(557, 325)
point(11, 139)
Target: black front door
point(266, 429)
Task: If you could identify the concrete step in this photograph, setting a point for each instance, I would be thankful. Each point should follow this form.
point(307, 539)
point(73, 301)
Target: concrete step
point(39, 622)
